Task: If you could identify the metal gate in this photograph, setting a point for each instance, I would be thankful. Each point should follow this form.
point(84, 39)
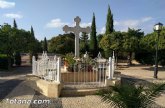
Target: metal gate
point(89, 73)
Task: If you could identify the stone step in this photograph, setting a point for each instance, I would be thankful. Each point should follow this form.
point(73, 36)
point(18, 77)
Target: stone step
point(78, 92)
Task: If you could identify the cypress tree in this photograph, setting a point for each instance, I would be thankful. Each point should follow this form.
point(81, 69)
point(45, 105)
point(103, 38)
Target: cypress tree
point(45, 45)
point(15, 24)
point(93, 40)
point(109, 23)
point(33, 45)
point(32, 33)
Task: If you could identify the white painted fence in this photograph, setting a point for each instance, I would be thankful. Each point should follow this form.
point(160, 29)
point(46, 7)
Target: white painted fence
point(111, 67)
point(90, 74)
point(46, 68)
point(84, 73)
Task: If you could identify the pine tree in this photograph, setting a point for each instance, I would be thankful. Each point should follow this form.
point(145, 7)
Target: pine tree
point(109, 23)
point(93, 39)
point(15, 24)
point(45, 46)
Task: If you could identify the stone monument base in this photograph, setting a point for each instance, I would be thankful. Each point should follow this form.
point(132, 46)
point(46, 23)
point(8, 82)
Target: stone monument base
point(113, 82)
point(49, 89)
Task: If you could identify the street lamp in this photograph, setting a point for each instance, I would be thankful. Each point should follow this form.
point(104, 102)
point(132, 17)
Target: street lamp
point(157, 27)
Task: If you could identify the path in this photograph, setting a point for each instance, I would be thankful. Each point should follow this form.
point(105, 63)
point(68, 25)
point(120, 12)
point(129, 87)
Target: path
point(12, 86)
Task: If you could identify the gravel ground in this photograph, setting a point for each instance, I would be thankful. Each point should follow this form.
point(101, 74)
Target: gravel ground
point(90, 101)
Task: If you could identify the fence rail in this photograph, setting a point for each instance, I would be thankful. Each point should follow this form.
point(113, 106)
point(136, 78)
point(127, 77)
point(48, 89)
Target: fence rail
point(84, 73)
point(46, 68)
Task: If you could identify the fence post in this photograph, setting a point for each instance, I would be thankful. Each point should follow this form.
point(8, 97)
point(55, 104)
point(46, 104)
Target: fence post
point(113, 66)
point(59, 70)
point(33, 65)
point(110, 68)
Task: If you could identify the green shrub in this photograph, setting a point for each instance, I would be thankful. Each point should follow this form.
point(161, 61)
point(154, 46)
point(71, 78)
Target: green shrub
point(4, 61)
point(70, 60)
point(145, 57)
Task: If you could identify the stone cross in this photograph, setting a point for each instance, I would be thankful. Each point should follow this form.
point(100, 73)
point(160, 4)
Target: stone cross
point(76, 30)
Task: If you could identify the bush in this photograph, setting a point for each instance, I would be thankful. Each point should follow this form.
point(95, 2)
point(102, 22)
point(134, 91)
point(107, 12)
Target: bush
point(145, 57)
point(70, 60)
point(161, 57)
point(4, 61)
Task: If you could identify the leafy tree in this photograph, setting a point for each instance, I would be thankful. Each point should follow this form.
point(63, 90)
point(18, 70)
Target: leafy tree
point(162, 47)
point(109, 23)
point(131, 96)
point(105, 45)
point(131, 42)
point(93, 40)
point(146, 53)
point(116, 39)
point(84, 43)
point(45, 48)
point(62, 44)
point(14, 40)
point(112, 42)
point(6, 42)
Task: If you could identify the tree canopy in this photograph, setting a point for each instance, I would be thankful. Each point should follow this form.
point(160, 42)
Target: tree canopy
point(62, 44)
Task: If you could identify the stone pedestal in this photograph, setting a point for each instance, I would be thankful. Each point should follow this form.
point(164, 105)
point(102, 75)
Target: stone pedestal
point(49, 89)
point(113, 82)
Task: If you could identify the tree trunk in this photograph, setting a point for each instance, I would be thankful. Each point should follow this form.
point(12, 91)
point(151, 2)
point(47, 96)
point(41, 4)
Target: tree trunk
point(9, 62)
point(116, 58)
point(130, 59)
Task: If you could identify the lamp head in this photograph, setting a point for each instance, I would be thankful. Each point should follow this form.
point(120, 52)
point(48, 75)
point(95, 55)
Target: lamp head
point(158, 27)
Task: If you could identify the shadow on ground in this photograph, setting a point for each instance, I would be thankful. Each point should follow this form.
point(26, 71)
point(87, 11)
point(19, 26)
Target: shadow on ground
point(7, 86)
point(16, 71)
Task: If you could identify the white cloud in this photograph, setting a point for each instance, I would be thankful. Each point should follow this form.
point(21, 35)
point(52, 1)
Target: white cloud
point(116, 22)
point(13, 15)
point(55, 23)
point(85, 24)
point(131, 23)
point(102, 30)
point(5, 4)
point(145, 19)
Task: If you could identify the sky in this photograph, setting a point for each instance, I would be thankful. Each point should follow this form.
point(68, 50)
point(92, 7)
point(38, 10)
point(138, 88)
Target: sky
point(49, 16)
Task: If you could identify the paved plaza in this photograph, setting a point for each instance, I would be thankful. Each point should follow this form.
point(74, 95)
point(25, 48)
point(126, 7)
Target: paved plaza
point(14, 86)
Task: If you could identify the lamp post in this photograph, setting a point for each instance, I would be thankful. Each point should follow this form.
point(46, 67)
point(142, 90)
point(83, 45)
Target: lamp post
point(157, 27)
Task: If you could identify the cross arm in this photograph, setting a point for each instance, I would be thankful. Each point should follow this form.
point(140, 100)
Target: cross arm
point(67, 29)
point(86, 30)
